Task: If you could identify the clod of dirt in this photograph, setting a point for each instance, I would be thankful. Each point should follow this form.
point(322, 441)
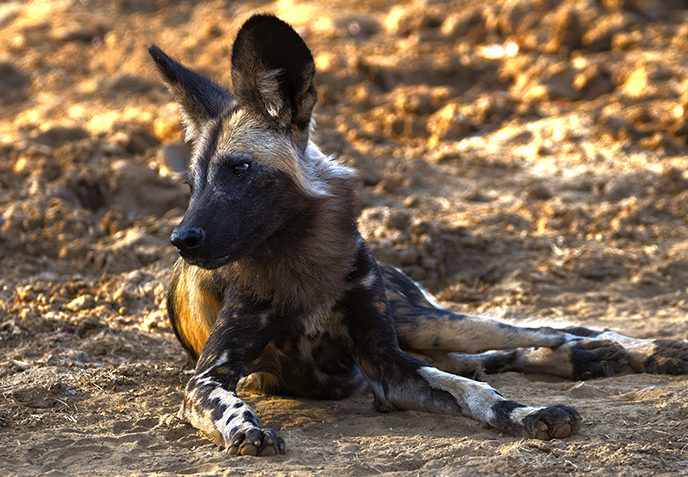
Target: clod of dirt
point(449, 123)
point(13, 83)
point(600, 36)
point(403, 20)
point(56, 135)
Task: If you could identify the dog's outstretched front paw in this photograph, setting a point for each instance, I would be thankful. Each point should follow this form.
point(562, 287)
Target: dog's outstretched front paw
point(255, 441)
point(557, 421)
point(668, 357)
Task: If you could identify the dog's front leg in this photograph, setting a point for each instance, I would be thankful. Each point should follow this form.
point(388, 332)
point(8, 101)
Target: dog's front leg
point(211, 403)
point(400, 381)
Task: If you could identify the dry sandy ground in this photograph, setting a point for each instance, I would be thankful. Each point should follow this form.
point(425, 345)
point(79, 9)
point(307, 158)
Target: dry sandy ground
point(518, 157)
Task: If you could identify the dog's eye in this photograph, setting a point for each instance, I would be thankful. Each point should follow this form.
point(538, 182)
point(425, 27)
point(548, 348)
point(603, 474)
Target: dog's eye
point(240, 167)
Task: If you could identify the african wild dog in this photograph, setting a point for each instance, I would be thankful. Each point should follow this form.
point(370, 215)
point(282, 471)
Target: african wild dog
point(276, 287)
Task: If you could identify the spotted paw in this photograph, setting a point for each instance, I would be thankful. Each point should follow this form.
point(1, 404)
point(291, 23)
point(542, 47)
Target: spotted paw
point(255, 441)
point(552, 422)
point(596, 358)
point(668, 357)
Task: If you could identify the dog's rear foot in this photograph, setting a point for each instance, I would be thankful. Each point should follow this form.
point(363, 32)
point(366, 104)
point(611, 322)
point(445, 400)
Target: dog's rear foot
point(595, 358)
point(656, 356)
point(255, 441)
point(667, 357)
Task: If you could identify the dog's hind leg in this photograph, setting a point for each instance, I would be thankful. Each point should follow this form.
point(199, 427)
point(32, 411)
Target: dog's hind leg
point(423, 326)
point(463, 344)
point(400, 381)
point(574, 359)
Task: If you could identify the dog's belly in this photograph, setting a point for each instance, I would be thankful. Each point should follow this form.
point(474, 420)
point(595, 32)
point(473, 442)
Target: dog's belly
point(319, 366)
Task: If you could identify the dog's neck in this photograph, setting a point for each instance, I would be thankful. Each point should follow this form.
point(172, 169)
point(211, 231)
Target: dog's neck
point(305, 263)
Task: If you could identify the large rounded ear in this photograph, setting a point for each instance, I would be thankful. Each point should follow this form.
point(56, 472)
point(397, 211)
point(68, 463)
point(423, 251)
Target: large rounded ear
point(200, 99)
point(272, 74)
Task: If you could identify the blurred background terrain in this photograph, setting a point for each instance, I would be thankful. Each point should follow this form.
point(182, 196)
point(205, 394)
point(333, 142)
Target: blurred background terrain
point(525, 158)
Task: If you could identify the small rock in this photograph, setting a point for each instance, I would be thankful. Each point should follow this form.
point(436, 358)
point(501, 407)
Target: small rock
point(79, 303)
point(599, 35)
point(359, 26)
point(593, 81)
point(13, 83)
point(637, 83)
point(136, 140)
point(538, 191)
point(465, 24)
point(448, 123)
point(167, 125)
point(627, 40)
point(406, 19)
point(567, 31)
point(78, 32)
point(54, 136)
point(404, 126)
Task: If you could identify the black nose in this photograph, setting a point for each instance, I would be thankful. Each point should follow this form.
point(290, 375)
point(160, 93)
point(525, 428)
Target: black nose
point(188, 238)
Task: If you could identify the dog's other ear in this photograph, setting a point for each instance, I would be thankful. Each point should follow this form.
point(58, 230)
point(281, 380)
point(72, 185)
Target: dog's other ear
point(272, 74)
point(200, 99)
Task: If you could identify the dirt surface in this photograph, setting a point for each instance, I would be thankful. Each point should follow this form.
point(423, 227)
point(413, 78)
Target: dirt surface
point(521, 157)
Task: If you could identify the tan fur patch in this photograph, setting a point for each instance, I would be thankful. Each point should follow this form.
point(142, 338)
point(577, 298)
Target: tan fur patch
point(195, 307)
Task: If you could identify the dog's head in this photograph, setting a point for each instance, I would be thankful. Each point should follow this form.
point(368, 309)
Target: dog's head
point(251, 170)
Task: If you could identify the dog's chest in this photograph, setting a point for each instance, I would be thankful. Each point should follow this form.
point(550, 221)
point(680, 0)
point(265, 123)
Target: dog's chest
point(322, 319)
